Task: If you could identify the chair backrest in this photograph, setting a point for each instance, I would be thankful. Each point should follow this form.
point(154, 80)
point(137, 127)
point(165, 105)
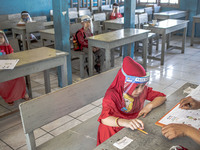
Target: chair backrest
point(3, 17)
point(103, 7)
point(121, 9)
point(74, 28)
point(97, 27)
point(40, 18)
point(157, 9)
point(149, 11)
point(143, 19)
point(73, 14)
point(33, 27)
point(14, 16)
point(47, 108)
point(84, 12)
point(72, 9)
point(99, 17)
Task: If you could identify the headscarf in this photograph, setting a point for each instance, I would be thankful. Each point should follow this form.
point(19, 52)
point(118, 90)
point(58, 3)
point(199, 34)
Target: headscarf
point(88, 18)
point(6, 42)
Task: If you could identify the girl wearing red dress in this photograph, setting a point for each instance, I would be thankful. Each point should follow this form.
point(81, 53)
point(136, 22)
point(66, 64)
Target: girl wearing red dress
point(115, 13)
point(15, 89)
point(124, 100)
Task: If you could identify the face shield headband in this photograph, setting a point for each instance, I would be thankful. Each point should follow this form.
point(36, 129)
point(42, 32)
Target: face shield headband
point(131, 80)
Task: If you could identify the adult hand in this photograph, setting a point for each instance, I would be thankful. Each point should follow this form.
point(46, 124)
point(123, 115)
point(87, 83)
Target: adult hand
point(172, 131)
point(189, 103)
point(132, 123)
point(145, 110)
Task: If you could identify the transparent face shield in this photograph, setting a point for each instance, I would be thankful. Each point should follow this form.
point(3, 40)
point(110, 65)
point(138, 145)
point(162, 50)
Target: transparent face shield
point(115, 9)
point(133, 87)
point(3, 39)
point(25, 17)
point(88, 23)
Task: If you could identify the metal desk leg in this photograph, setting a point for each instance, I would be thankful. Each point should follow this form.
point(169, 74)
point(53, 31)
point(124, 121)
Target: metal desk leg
point(28, 85)
point(107, 53)
point(193, 30)
point(184, 40)
point(144, 52)
point(64, 72)
point(47, 81)
point(163, 49)
point(90, 59)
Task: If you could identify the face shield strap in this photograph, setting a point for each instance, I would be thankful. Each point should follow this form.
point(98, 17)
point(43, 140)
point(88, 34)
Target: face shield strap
point(134, 79)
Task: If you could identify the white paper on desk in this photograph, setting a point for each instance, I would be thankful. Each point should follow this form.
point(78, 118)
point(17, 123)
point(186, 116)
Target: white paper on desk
point(123, 142)
point(8, 63)
point(182, 116)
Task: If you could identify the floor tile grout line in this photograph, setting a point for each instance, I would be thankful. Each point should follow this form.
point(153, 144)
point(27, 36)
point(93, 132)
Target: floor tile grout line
point(6, 144)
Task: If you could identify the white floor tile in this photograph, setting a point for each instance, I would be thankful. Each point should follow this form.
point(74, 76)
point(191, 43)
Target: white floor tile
point(98, 102)
point(65, 127)
point(81, 111)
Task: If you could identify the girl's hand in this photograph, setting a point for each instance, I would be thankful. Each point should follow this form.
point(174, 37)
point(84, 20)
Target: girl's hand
point(132, 124)
point(145, 110)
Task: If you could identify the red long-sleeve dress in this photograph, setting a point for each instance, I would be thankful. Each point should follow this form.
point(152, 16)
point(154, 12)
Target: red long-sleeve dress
point(15, 89)
point(113, 104)
point(115, 16)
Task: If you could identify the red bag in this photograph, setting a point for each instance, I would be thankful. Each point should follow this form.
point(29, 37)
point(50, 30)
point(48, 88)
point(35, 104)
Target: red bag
point(76, 44)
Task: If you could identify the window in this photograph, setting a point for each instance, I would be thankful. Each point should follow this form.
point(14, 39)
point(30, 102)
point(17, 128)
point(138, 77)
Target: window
point(164, 3)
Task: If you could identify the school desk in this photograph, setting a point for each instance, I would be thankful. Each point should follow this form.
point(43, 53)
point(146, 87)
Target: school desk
point(47, 34)
point(172, 14)
point(114, 39)
point(165, 28)
point(36, 60)
point(196, 19)
point(21, 30)
point(154, 140)
point(117, 24)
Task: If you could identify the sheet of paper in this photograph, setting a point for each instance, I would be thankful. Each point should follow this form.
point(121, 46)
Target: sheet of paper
point(189, 117)
point(123, 142)
point(8, 64)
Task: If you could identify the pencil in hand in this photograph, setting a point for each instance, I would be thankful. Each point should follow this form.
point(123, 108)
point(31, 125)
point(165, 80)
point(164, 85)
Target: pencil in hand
point(142, 131)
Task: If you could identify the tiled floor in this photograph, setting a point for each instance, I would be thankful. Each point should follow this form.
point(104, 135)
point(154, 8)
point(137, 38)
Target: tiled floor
point(178, 69)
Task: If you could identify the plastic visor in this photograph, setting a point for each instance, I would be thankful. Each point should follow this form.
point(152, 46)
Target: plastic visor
point(27, 19)
point(131, 82)
point(91, 23)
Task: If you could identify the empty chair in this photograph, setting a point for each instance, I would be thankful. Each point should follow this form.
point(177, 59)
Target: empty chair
point(157, 9)
point(14, 16)
point(105, 8)
point(149, 11)
point(34, 28)
point(40, 18)
point(142, 19)
point(84, 12)
point(72, 9)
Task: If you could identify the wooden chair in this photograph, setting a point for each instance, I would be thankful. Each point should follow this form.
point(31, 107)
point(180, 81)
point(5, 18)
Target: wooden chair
point(34, 28)
point(47, 108)
point(40, 18)
point(152, 37)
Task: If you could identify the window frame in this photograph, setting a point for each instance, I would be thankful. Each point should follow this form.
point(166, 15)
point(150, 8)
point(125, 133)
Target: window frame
point(160, 4)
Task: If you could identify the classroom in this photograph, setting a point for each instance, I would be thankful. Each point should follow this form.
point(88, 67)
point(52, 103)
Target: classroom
point(100, 74)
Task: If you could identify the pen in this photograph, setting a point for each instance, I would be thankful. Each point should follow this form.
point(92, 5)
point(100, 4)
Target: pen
point(142, 131)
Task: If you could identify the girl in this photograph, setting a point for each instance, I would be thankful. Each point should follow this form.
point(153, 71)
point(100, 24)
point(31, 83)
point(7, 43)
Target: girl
point(124, 100)
point(25, 18)
point(115, 13)
point(82, 34)
point(14, 89)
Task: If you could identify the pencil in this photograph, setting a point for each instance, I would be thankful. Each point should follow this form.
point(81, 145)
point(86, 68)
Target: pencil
point(142, 131)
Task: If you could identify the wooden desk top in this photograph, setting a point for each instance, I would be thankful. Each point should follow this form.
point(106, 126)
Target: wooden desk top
point(34, 55)
point(118, 34)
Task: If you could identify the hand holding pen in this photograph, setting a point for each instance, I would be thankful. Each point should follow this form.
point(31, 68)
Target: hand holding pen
point(189, 103)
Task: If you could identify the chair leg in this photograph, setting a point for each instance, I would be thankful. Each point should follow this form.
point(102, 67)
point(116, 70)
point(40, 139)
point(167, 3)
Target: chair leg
point(82, 73)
